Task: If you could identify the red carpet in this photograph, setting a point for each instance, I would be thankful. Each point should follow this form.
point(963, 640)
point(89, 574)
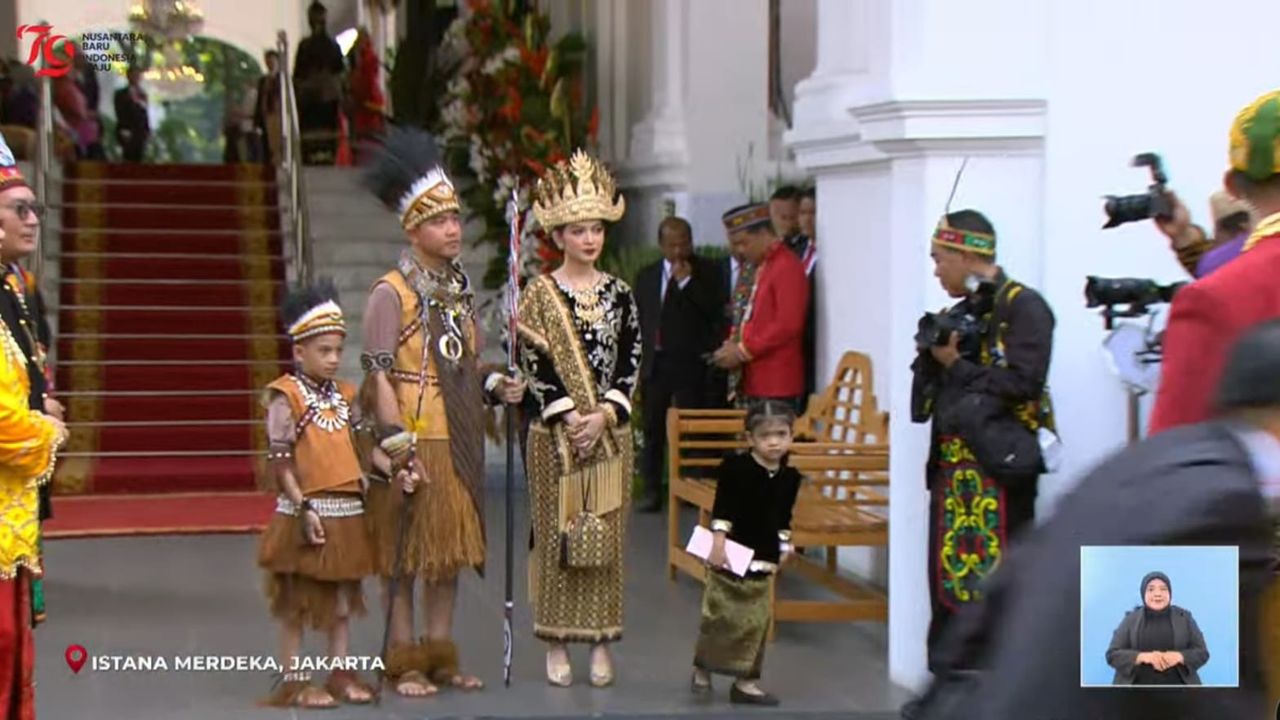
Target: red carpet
point(171, 279)
point(168, 514)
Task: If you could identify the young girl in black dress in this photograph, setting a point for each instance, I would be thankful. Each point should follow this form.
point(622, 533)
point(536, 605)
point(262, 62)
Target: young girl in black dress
point(755, 492)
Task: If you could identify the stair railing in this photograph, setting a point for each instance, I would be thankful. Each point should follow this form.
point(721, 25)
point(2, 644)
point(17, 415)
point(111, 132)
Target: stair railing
point(291, 166)
point(43, 168)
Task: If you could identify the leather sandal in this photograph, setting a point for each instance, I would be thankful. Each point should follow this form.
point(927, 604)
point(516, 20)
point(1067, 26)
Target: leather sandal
point(442, 663)
point(296, 691)
point(341, 683)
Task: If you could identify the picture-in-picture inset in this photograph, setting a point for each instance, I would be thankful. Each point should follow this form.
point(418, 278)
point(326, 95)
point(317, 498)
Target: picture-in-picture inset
point(1159, 616)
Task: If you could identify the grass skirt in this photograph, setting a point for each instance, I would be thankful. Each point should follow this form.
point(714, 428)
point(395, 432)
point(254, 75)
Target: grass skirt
point(571, 604)
point(314, 584)
point(445, 536)
point(735, 625)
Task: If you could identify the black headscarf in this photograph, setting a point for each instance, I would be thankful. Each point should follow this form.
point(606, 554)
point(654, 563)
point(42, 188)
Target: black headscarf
point(1146, 580)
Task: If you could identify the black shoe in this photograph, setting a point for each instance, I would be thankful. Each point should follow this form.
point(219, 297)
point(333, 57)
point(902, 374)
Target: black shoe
point(738, 697)
point(911, 709)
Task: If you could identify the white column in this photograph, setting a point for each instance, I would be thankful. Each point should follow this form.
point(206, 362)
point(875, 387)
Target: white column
point(885, 139)
point(660, 139)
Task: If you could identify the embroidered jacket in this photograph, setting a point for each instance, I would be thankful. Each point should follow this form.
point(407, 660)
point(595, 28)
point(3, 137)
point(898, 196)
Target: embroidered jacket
point(28, 447)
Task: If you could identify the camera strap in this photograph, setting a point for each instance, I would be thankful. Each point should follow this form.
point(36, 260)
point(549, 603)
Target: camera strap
point(1043, 409)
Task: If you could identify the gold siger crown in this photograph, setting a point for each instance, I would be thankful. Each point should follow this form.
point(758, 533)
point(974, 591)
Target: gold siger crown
point(577, 191)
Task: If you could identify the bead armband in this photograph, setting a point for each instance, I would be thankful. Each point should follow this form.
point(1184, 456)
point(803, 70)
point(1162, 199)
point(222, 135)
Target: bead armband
point(397, 446)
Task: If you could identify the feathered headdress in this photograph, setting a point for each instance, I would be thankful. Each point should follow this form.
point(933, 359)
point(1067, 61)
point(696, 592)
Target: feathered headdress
point(10, 175)
point(577, 191)
point(407, 177)
point(313, 310)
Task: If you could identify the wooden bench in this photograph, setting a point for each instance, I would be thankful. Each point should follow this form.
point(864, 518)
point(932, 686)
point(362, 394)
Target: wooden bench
point(843, 503)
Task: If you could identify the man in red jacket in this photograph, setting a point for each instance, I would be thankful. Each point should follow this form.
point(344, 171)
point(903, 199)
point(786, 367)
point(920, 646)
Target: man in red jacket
point(768, 345)
point(1209, 315)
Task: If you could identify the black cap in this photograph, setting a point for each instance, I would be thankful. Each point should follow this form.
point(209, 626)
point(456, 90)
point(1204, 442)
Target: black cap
point(1251, 379)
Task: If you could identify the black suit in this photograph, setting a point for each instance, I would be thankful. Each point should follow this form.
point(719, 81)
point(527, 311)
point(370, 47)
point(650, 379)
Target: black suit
point(676, 333)
point(1190, 486)
point(12, 316)
point(133, 127)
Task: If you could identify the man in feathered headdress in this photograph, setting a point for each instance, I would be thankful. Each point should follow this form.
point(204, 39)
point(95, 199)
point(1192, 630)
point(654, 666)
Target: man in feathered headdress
point(428, 393)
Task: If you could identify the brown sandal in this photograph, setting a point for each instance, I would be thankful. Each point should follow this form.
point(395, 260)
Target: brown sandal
point(341, 683)
point(402, 665)
point(443, 669)
point(297, 692)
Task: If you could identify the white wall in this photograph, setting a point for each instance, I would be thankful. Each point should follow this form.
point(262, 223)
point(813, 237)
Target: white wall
point(1098, 123)
point(1049, 100)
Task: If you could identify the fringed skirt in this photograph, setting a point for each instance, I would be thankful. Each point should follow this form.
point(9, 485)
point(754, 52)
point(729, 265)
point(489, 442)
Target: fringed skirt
point(572, 604)
point(445, 536)
point(735, 625)
point(315, 584)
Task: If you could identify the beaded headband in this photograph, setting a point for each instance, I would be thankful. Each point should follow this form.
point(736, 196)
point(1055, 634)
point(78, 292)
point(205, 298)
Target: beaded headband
point(323, 319)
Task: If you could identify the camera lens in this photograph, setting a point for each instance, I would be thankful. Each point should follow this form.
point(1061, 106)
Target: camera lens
point(1126, 209)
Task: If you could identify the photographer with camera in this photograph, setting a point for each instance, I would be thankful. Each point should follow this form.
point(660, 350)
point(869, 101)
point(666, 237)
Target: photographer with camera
point(980, 377)
point(1207, 316)
point(1198, 253)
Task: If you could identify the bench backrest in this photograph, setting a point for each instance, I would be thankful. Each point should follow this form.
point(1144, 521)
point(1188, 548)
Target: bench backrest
point(846, 410)
point(697, 441)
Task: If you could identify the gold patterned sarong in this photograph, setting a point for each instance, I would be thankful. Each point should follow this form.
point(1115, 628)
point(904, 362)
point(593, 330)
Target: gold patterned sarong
point(735, 625)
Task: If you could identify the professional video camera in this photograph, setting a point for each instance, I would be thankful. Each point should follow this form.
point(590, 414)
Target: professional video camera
point(1153, 203)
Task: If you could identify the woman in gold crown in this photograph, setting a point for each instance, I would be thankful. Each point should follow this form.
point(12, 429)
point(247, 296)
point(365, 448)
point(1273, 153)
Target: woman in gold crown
point(580, 341)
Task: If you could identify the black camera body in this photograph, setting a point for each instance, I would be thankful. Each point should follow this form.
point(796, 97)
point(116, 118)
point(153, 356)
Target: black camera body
point(934, 330)
point(1153, 203)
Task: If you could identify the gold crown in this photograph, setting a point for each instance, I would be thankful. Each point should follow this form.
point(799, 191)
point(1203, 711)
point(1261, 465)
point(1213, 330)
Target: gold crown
point(577, 191)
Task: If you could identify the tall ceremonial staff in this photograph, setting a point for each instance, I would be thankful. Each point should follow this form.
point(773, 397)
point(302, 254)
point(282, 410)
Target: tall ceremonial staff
point(513, 297)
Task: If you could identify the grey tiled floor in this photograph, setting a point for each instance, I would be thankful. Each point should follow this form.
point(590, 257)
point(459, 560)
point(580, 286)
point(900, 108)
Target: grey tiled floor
point(166, 596)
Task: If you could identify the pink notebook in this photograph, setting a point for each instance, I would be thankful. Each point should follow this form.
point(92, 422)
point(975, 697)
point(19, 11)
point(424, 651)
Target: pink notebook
point(740, 556)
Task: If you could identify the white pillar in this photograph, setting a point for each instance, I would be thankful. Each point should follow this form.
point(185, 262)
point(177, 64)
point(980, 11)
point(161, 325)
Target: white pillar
point(885, 139)
point(660, 138)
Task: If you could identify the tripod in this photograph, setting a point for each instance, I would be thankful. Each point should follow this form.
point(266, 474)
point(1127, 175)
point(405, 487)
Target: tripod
point(1149, 354)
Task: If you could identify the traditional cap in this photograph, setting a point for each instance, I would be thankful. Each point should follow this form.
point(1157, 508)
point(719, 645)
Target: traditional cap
point(313, 310)
point(964, 240)
point(10, 175)
point(1223, 205)
point(407, 177)
point(747, 217)
point(577, 191)
point(1255, 138)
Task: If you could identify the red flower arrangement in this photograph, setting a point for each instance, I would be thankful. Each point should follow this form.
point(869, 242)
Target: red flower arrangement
point(516, 105)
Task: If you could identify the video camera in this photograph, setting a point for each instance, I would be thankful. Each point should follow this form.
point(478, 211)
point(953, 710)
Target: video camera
point(1137, 293)
point(1153, 203)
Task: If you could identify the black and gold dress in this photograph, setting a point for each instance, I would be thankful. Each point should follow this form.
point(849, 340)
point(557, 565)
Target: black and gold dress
point(580, 350)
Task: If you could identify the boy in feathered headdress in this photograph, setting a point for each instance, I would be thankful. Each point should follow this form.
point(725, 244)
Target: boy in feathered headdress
point(316, 548)
point(428, 393)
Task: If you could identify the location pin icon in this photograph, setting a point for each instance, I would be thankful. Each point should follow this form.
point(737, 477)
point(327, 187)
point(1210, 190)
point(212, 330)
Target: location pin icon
point(76, 656)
